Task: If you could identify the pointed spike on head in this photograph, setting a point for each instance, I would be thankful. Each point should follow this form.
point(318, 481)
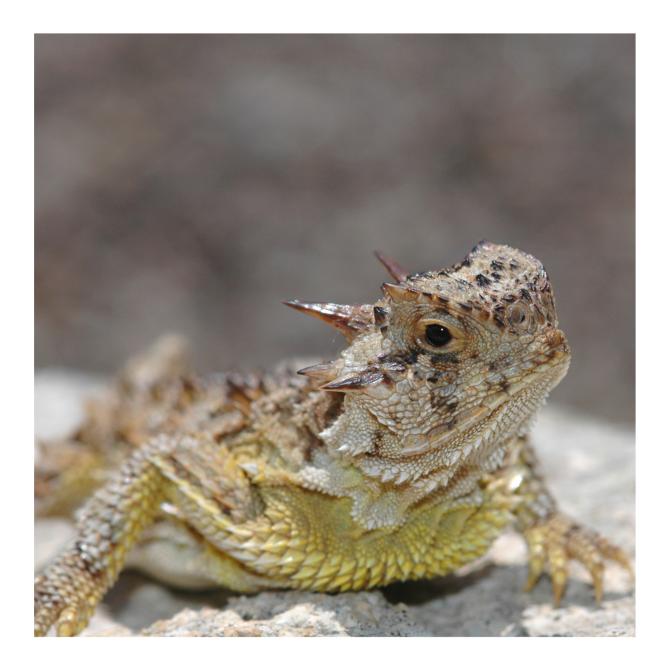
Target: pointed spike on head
point(358, 382)
point(397, 272)
point(380, 315)
point(399, 293)
point(322, 372)
point(350, 320)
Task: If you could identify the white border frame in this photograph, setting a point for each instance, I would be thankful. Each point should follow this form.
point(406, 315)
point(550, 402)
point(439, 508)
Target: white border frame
point(345, 16)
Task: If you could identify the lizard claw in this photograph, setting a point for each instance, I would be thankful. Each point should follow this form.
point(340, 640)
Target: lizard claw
point(552, 543)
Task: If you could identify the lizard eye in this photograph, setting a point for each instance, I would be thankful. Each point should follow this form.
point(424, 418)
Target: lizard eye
point(437, 335)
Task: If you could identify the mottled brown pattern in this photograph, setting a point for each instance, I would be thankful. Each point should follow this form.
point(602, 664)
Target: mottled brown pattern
point(403, 458)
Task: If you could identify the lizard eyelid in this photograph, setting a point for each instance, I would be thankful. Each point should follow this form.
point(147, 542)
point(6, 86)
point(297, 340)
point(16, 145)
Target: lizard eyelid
point(439, 335)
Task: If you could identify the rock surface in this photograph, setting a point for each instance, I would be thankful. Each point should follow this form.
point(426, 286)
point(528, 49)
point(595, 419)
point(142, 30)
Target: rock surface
point(590, 467)
point(293, 613)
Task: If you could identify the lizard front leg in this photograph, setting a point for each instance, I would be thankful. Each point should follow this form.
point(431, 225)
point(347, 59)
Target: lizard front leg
point(212, 495)
point(553, 538)
point(68, 590)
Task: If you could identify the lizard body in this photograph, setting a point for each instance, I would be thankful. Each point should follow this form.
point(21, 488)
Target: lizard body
point(404, 458)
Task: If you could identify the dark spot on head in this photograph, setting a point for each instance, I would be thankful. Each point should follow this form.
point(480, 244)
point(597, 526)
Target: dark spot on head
point(467, 263)
point(498, 321)
point(495, 275)
point(482, 280)
point(497, 265)
point(504, 385)
point(451, 406)
point(451, 423)
point(514, 265)
point(465, 306)
point(433, 379)
point(509, 297)
point(380, 315)
point(525, 294)
point(410, 356)
point(441, 359)
point(493, 366)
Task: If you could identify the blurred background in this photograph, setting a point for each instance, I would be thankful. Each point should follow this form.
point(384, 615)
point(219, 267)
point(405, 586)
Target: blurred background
point(191, 183)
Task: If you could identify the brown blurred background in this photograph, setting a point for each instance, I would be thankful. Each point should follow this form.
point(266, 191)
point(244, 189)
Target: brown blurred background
point(191, 183)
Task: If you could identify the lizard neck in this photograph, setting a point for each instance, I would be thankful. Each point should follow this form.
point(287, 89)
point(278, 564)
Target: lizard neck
point(386, 473)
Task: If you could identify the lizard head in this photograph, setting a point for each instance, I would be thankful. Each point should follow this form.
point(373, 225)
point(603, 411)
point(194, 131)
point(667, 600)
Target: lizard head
point(445, 359)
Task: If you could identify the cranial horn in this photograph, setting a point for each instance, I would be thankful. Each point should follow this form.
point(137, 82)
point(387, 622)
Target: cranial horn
point(392, 267)
point(399, 293)
point(350, 320)
point(321, 372)
point(357, 382)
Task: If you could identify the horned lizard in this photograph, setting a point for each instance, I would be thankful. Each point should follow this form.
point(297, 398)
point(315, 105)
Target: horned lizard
point(404, 458)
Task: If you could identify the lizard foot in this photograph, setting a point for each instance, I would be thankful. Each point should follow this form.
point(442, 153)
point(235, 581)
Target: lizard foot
point(65, 598)
point(552, 543)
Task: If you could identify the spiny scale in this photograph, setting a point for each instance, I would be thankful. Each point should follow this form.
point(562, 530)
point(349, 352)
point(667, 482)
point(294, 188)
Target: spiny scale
point(321, 372)
point(392, 267)
point(399, 293)
point(348, 319)
point(351, 320)
point(356, 382)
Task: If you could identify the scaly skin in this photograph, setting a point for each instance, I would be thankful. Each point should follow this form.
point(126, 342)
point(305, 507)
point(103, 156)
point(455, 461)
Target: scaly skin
point(402, 459)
